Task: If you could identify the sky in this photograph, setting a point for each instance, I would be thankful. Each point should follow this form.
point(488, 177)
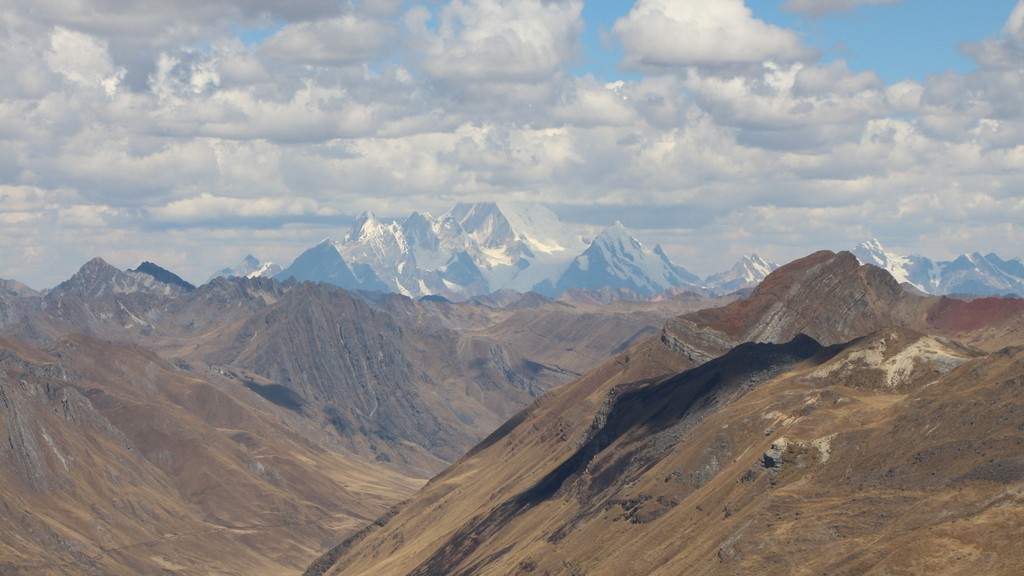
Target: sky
point(192, 133)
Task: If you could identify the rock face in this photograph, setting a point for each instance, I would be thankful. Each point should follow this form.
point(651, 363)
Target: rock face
point(97, 278)
point(164, 276)
point(878, 448)
point(827, 296)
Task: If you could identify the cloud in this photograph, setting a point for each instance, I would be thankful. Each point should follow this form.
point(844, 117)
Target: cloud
point(83, 60)
point(819, 8)
point(1006, 53)
point(155, 130)
point(675, 33)
point(207, 208)
point(343, 40)
point(1014, 27)
point(523, 41)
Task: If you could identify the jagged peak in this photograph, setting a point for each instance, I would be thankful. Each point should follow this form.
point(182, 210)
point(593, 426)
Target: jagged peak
point(618, 234)
point(872, 244)
point(161, 274)
point(95, 264)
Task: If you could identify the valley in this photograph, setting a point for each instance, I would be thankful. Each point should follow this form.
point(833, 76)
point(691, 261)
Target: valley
point(250, 424)
point(247, 425)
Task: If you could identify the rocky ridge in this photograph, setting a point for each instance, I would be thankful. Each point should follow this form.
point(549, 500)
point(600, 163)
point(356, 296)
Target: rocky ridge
point(805, 445)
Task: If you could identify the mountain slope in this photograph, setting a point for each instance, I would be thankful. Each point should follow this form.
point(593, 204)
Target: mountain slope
point(705, 468)
point(757, 461)
point(118, 462)
point(748, 272)
point(615, 259)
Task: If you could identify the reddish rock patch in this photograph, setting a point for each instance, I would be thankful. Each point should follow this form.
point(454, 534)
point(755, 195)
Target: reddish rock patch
point(959, 316)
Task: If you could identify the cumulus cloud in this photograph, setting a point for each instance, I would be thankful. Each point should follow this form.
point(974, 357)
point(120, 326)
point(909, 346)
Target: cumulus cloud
point(819, 8)
point(1004, 53)
point(524, 41)
point(342, 40)
point(674, 33)
point(166, 131)
point(83, 60)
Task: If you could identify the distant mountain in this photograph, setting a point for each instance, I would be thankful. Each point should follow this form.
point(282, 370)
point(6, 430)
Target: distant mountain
point(15, 288)
point(249, 267)
point(615, 259)
point(969, 274)
point(471, 250)
point(164, 276)
point(96, 278)
point(748, 272)
point(918, 271)
point(475, 249)
point(981, 275)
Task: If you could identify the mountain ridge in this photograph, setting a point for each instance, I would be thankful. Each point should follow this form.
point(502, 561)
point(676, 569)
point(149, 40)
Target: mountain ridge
point(592, 478)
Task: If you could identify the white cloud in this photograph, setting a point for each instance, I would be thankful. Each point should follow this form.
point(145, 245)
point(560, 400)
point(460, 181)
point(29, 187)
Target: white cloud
point(247, 144)
point(1014, 27)
point(83, 60)
point(521, 41)
point(591, 104)
point(818, 8)
point(209, 208)
point(342, 40)
point(674, 33)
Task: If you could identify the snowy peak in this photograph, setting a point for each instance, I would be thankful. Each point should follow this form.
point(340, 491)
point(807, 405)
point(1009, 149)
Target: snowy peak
point(616, 259)
point(517, 228)
point(983, 275)
point(419, 231)
point(968, 274)
point(917, 271)
point(748, 272)
point(485, 222)
point(249, 267)
point(322, 263)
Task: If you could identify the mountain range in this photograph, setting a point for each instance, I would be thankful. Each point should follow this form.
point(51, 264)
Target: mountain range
point(480, 248)
point(242, 426)
point(476, 249)
point(968, 274)
point(832, 422)
point(251, 424)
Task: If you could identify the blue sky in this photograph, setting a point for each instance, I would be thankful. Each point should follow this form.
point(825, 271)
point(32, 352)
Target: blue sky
point(192, 133)
point(910, 39)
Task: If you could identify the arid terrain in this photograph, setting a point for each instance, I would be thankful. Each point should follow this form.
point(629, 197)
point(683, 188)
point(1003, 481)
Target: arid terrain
point(831, 423)
point(249, 425)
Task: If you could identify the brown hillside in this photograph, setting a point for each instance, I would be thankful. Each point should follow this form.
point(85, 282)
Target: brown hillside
point(889, 450)
point(116, 462)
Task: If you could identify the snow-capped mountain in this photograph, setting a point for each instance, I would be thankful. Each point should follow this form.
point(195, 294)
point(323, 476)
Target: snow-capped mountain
point(918, 271)
point(746, 273)
point(472, 249)
point(324, 263)
point(615, 259)
point(984, 275)
point(968, 274)
point(249, 267)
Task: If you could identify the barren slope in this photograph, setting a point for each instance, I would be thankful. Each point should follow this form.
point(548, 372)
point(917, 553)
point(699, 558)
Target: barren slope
point(117, 462)
point(889, 450)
